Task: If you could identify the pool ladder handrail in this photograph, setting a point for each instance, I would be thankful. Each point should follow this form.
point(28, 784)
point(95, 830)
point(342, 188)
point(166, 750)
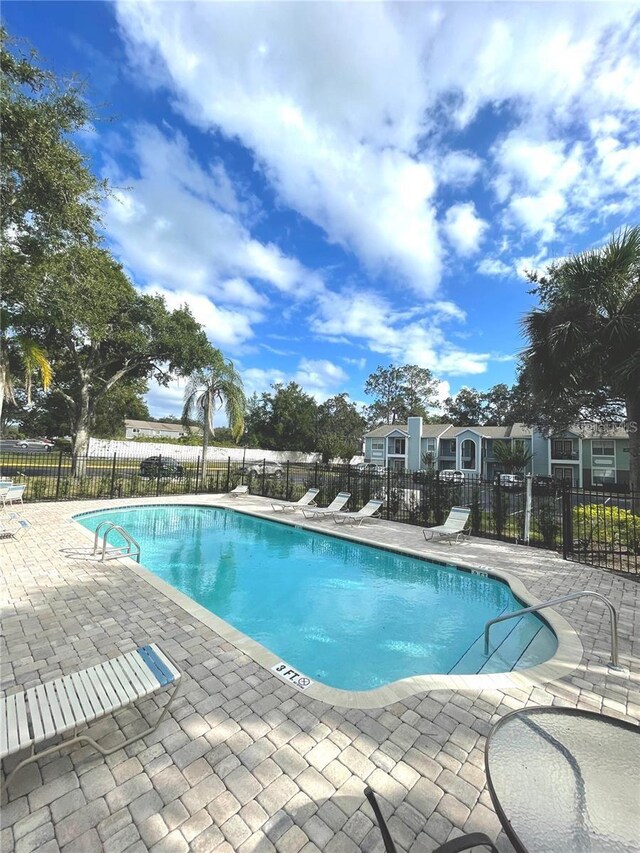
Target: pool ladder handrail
point(553, 601)
point(132, 548)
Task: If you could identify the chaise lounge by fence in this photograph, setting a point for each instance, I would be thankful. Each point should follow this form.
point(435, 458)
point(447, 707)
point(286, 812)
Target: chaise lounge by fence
point(61, 706)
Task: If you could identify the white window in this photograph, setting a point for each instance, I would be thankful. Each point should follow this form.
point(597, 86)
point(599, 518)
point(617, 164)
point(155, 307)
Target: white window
point(604, 475)
point(604, 447)
point(377, 445)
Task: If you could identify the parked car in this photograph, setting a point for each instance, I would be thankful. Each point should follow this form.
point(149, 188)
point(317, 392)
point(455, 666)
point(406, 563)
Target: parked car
point(35, 444)
point(510, 481)
point(543, 485)
point(451, 475)
point(271, 469)
point(154, 466)
point(370, 468)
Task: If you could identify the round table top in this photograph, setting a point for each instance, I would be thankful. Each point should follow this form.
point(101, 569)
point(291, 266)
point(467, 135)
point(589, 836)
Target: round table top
point(566, 780)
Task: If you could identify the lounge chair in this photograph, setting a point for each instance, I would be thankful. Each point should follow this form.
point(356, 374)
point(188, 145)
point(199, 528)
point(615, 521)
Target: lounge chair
point(455, 845)
point(370, 510)
point(14, 494)
point(12, 526)
point(453, 526)
point(59, 707)
point(305, 500)
point(238, 491)
point(340, 500)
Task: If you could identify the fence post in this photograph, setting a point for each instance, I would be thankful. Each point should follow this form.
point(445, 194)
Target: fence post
point(388, 491)
point(58, 478)
point(228, 473)
point(497, 511)
point(113, 476)
point(197, 472)
point(286, 482)
point(316, 475)
point(158, 477)
point(567, 525)
point(264, 476)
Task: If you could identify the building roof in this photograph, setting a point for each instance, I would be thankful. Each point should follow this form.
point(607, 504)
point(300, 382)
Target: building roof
point(387, 429)
point(451, 431)
point(158, 425)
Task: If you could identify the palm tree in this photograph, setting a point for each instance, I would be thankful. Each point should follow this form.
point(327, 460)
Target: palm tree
point(216, 386)
point(22, 353)
point(584, 342)
point(513, 456)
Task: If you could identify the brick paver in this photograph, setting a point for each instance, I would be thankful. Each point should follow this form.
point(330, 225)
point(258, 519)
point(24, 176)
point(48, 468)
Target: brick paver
point(245, 762)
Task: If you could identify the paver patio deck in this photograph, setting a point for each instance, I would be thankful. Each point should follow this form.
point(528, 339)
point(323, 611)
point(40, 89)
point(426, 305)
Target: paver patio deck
point(246, 762)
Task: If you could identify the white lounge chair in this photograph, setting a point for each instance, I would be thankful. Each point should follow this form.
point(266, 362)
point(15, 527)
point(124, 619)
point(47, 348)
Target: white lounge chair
point(238, 491)
point(61, 706)
point(336, 504)
point(453, 526)
point(370, 510)
point(14, 494)
point(305, 500)
point(12, 526)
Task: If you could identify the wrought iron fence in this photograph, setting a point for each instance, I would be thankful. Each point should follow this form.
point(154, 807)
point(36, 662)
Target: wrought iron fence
point(593, 526)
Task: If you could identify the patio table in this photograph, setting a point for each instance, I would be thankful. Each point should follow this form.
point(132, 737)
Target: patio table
point(566, 780)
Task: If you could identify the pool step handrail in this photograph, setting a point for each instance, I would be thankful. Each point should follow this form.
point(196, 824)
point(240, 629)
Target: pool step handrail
point(132, 548)
point(553, 601)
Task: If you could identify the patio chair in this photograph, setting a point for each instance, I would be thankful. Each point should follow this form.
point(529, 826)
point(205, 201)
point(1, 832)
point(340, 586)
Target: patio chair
point(14, 494)
point(305, 500)
point(238, 492)
point(454, 526)
point(61, 706)
point(340, 500)
point(12, 526)
point(455, 845)
point(370, 510)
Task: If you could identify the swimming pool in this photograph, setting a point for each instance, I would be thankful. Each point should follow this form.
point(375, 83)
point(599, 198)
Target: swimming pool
point(348, 615)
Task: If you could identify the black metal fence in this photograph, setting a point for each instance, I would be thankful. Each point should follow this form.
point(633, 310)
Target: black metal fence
point(588, 525)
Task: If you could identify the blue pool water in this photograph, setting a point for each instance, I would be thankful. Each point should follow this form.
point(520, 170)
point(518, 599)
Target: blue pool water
point(348, 615)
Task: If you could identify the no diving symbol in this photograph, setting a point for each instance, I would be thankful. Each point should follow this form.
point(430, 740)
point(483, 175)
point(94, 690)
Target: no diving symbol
point(304, 682)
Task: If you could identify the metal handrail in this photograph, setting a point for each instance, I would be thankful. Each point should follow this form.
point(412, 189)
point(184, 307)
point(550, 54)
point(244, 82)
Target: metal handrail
point(612, 613)
point(109, 524)
point(132, 549)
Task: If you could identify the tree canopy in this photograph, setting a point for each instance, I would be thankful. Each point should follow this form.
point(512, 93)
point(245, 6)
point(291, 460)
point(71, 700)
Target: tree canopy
point(583, 354)
point(399, 392)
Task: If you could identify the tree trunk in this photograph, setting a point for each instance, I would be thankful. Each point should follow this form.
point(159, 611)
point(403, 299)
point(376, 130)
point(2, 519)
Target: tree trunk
point(633, 421)
point(80, 433)
point(205, 437)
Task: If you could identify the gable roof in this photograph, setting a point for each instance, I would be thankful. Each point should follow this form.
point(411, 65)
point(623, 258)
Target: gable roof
point(516, 431)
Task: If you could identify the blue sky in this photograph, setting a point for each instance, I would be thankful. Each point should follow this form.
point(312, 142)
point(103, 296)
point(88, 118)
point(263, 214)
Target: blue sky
point(331, 187)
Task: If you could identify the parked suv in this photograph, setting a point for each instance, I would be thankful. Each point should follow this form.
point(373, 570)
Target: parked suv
point(450, 475)
point(271, 469)
point(510, 481)
point(370, 468)
point(155, 466)
point(543, 485)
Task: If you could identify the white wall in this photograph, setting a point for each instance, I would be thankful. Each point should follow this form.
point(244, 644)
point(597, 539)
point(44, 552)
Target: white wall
point(102, 447)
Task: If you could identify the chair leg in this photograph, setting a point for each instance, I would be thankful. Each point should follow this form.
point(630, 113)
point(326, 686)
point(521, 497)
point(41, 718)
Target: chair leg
point(83, 738)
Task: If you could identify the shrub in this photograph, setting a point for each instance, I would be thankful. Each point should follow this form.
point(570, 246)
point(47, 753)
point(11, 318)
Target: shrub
point(607, 525)
point(547, 523)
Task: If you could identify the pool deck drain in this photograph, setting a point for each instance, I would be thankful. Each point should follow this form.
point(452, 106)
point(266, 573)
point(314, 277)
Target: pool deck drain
point(248, 762)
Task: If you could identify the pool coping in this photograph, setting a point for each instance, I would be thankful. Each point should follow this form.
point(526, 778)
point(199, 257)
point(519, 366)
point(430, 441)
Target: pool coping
point(566, 659)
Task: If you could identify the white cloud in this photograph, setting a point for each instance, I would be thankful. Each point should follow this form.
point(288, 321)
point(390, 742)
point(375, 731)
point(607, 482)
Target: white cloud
point(225, 328)
point(320, 378)
point(464, 228)
point(372, 320)
point(494, 267)
point(459, 168)
point(172, 225)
